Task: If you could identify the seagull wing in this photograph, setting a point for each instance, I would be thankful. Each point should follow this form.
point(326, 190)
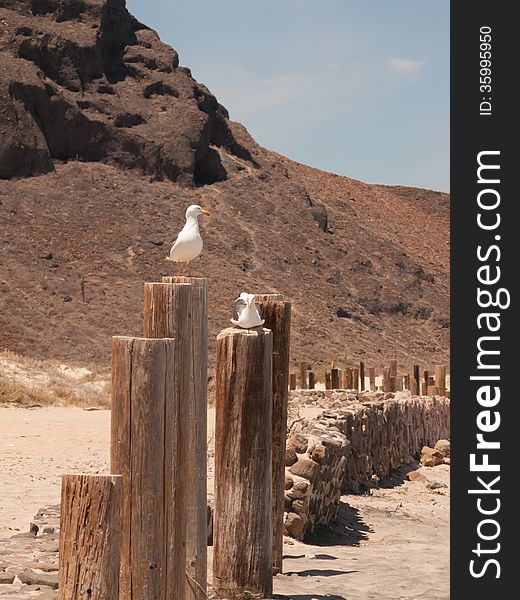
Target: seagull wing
point(240, 304)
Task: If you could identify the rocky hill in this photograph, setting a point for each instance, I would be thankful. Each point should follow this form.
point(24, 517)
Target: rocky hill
point(104, 141)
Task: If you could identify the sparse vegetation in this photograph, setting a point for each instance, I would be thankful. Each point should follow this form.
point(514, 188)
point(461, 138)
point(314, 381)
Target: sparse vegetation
point(28, 382)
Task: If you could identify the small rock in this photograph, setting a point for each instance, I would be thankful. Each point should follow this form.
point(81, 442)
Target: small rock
point(48, 256)
point(443, 446)
point(33, 528)
point(288, 482)
point(416, 476)
point(290, 456)
point(298, 442)
point(31, 578)
point(435, 485)
point(305, 467)
point(49, 530)
point(293, 526)
point(67, 298)
point(6, 577)
point(430, 457)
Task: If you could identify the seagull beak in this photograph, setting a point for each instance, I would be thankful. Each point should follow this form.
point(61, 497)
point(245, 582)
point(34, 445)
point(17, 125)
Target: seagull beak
point(205, 213)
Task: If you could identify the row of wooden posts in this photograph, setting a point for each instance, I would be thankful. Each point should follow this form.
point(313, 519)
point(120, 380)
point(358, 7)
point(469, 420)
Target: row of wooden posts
point(141, 532)
point(354, 378)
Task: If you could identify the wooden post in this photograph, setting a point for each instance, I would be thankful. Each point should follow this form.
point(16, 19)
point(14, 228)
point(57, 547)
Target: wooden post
point(178, 308)
point(417, 378)
point(277, 315)
point(406, 381)
point(292, 381)
point(355, 378)
point(303, 376)
point(328, 384)
point(424, 386)
point(242, 538)
point(335, 378)
point(386, 379)
point(145, 450)
point(372, 378)
point(361, 375)
point(90, 537)
point(312, 380)
point(440, 379)
point(350, 380)
point(393, 375)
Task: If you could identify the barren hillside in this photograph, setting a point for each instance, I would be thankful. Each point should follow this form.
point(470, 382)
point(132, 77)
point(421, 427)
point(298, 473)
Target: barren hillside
point(105, 140)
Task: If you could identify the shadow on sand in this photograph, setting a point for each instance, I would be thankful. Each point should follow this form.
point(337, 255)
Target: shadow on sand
point(399, 476)
point(348, 529)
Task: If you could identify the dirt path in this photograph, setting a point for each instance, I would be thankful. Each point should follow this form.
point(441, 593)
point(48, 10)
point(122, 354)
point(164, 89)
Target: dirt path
point(393, 544)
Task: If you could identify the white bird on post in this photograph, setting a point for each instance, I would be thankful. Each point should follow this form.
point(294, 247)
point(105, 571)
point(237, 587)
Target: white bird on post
point(245, 314)
point(188, 244)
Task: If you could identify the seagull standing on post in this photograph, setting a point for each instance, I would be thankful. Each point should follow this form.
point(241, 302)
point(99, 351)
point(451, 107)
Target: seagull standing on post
point(188, 244)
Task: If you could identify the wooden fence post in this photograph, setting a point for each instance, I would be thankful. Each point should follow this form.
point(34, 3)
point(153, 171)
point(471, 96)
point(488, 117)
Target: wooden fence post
point(372, 377)
point(355, 378)
point(90, 537)
point(242, 539)
point(386, 380)
point(328, 383)
point(393, 375)
point(417, 378)
point(406, 381)
point(277, 315)
point(361, 375)
point(312, 380)
point(335, 378)
point(440, 379)
point(145, 450)
point(178, 308)
point(424, 386)
point(303, 376)
point(292, 381)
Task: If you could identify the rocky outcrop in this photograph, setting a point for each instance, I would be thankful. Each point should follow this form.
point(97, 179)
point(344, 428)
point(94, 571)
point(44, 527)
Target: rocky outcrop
point(85, 80)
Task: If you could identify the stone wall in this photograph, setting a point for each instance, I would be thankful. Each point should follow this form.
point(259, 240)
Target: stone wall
point(350, 447)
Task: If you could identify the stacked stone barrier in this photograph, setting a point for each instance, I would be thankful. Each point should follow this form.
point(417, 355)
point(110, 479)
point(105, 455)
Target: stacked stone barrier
point(349, 448)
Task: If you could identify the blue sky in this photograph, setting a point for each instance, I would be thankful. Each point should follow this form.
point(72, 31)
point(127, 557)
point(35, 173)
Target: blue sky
point(357, 87)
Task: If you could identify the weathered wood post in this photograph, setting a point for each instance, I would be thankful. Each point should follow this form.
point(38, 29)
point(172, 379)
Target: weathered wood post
point(417, 378)
point(145, 450)
point(303, 376)
point(242, 538)
point(355, 378)
point(312, 380)
point(386, 380)
point(178, 308)
point(350, 378)
point(372, 378)
point(393, 375)
point(406, 381)
point(440, 379)
point(424, 387)
point(335, 378)
point(328, 381)
point(362, 375)
point(292, 381)
point(90, 537)
point(277, 315)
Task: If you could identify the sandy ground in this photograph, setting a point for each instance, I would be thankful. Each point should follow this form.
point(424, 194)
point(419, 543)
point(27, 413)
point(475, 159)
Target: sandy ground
point(392, 544)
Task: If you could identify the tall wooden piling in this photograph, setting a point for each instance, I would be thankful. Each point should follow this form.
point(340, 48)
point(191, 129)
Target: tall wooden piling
point(355, 378)
point(440, 379)
point(90, 537)
point(145, 450)
point(387, 387)
point(361, 375)
point(372, 378)
point(312, 380)
point(303, 376)
point(425, 384)
point(393, 375)
point(292, 381)
point(334, 373)
point(178, 308)
point(242, 539)
point(277, 315)
point(328, 381)
point(417, 378)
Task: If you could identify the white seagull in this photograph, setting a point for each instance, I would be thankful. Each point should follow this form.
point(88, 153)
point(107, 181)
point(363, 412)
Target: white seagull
point(188, 244)
point(246, 313)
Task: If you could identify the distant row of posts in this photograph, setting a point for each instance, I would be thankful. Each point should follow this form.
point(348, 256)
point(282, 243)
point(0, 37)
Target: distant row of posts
point(141, 532)
point(355, 378)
